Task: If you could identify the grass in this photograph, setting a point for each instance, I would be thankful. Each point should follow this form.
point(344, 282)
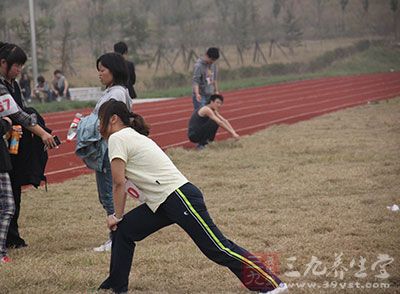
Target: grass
point(315, 188)
point(62, 105)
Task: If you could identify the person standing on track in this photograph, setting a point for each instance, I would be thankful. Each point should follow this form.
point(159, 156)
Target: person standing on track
point(113, 74)
point(169, 198)
point(204, 81)
point(12, 60)
point(204, 123)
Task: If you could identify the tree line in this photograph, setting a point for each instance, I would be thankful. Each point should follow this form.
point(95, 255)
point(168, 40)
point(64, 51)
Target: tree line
point(156, 30)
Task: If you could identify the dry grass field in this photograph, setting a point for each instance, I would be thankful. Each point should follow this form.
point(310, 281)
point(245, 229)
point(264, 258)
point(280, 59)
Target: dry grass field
point(314, 193)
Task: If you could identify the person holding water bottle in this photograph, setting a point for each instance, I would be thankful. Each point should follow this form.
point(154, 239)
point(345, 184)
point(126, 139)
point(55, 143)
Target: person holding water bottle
point(169, 198)
point(12, 60)
point(113, 74)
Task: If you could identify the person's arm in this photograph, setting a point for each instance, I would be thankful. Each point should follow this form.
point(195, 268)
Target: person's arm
point(197, 92)
point(66, 85)
point(196, 82)
point(26, 121)
point(47, 139)
point(119, 195)
point(221, 121)
point(216, 89)
point(5, 125)
point(133, 74)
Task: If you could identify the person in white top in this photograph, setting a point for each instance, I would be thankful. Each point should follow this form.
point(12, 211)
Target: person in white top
point(169, 198)
point(113, 73)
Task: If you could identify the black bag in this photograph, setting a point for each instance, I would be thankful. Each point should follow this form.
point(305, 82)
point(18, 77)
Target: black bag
point(30, 163)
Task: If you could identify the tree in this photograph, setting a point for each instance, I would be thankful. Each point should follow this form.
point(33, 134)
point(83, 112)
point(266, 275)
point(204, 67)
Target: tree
point(343, 6)
point(21, 28)
point(133, 29)
point(48, 22)
point(258, 33)
point(365, 6)
point(66, 48)
point(293, 32)
point(320, 6)
point(236, 19)
point(188, 19)
point(100, 25)
point(3, 20)
point(394, 5)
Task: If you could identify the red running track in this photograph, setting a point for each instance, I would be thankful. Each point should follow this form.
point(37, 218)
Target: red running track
point(248, 110)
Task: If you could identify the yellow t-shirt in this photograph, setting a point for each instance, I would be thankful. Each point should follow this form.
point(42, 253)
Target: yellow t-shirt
point(147, 166)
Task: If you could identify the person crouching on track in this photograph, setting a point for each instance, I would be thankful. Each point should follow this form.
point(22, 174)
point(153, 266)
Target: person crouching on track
point(169, 198)
point(204, 123)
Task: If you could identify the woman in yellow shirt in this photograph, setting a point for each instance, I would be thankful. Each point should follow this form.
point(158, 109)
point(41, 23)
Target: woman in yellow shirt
point(168, 198)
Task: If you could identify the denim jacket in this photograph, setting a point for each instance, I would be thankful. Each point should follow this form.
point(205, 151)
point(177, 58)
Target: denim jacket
point(90, 146)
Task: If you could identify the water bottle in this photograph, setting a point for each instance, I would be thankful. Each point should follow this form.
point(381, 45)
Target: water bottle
point(73, 127)
point(14, 141)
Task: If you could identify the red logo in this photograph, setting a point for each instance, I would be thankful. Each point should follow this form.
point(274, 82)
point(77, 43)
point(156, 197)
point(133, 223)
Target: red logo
point(133, 193)
point(262, 264)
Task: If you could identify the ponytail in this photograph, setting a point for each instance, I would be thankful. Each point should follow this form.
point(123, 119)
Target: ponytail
point(129, 119)
point(138, 124)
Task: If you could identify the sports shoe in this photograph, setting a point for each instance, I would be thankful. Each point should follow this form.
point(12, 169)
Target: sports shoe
point(104, 247)
point(200, 147)
point(283, 288)
point(5, 259)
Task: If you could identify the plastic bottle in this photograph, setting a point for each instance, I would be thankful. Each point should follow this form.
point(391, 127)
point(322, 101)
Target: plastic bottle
point(14, 142)
point(73, 127)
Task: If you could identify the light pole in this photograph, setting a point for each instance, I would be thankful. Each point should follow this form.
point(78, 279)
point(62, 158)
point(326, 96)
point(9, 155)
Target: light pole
point(33, 40)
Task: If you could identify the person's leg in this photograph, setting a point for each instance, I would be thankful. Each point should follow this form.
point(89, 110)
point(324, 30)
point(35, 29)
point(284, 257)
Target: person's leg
point(208, 132)
point(196, 104)
point(13, 237)
point(186, 207)
point(104, 186)
point(205, 134)
point(204, 100)
point(136, 225)
point(7, 209)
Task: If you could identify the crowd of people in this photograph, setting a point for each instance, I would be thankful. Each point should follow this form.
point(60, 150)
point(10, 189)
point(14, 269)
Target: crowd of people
point(113, 141)
point(56, 90)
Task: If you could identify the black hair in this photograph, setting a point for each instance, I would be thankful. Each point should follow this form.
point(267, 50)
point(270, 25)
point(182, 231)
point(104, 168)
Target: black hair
point(116, 64)
point(12, 54)
point(40, 79)
point(57, 71)
point(215, 97)
point(128, 118)
point(120, 48)
point(213, 53)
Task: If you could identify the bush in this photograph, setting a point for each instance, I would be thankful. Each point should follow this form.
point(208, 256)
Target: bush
point(172, 80)
point(321, 62)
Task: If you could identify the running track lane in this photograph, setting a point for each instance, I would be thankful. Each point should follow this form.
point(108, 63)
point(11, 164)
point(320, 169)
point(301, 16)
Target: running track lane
point(248, 110)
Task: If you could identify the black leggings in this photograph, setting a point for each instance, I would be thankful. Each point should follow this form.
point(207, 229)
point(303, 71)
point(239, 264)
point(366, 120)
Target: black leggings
point(186, 208)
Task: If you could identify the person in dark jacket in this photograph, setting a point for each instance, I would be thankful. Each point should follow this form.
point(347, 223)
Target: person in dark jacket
point(122, 49)
point(12, 59)
point(7, 206)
